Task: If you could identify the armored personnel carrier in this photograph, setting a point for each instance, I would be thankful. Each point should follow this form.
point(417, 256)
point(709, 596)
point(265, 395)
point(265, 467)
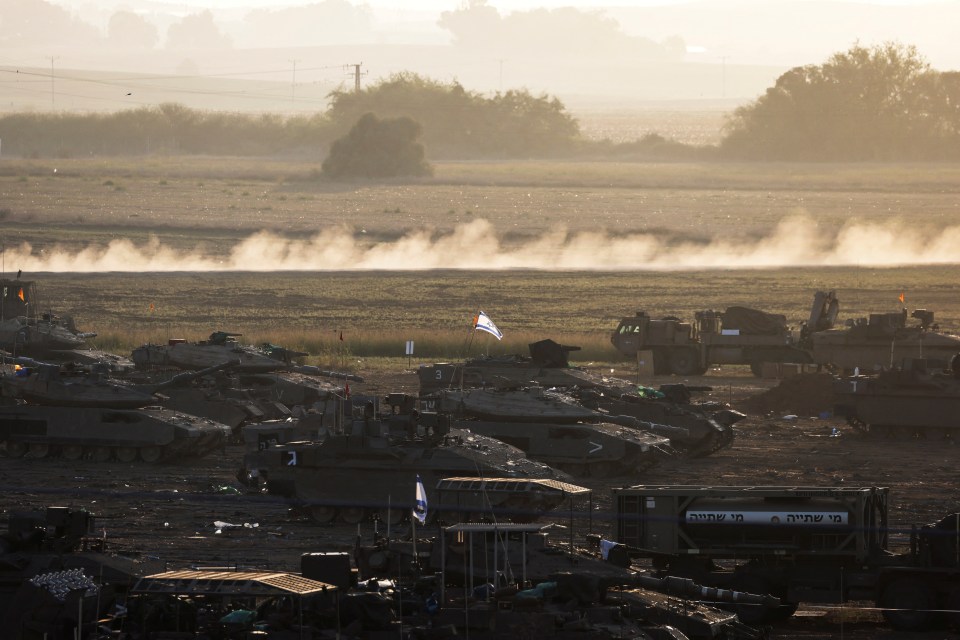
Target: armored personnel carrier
point(916, 400)
point(370, 466)
point(551, 427)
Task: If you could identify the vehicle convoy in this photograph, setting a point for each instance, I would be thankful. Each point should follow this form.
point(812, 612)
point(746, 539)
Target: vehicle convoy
point(911, 401)
point(801, 544)
point(369, 465)
point(738, 335)
point(747, 336)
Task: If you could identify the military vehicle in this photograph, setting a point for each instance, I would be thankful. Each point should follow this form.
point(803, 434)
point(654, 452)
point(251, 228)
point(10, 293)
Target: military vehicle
point(803, 544)
point(883, 341)
point(914, 400)
point(552, 427)
point(702, 429)
point(95, 433)
point(739, 335)
point(221, 346)
point(57, 578)
point(548, 365)
point(370, 464)
point(68, 385)
point(26, 328)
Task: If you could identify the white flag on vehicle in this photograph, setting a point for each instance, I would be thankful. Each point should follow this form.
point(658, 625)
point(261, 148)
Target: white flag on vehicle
point(484, 323)
point(420, 505)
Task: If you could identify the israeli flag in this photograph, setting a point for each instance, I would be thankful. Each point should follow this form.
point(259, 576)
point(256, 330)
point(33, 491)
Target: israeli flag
point(483, 323)
point(420, 506)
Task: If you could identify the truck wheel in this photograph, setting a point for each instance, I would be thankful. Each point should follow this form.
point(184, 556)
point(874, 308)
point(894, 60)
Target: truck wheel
point(907, 605)
point(684, 362)
point(756, 368)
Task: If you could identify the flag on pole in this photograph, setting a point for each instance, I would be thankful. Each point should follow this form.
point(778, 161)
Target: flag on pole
point(420, 506)
point(901, 297)
point(482, 323)
point(20, 295)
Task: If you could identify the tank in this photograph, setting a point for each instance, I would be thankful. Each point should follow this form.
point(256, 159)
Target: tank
point(26, 328)
point(551, 427)
point(915, 400)
point(701, 429)
point(101, 435)
point(370, 466)
point(219, 347)
point(883, 341)
point(86, 386)
point(547, 365)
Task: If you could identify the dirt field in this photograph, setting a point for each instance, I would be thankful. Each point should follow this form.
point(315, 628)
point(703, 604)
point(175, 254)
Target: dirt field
point(164, 515)
point(201, 210)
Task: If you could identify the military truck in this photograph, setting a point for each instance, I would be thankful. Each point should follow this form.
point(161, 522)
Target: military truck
point(801, 544)
point(739, 335)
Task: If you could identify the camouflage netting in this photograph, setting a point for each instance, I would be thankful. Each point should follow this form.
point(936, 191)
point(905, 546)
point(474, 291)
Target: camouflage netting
point(808, 394)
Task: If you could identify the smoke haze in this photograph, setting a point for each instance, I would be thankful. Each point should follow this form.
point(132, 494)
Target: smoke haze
point(794, 242)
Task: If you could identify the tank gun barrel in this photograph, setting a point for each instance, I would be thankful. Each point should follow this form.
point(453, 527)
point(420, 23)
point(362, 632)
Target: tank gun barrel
point(311, 370)
point(664, 430)
point(685, 587)
point(188, 376)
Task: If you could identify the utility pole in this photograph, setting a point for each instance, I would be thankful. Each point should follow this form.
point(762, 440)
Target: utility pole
point(53, 102)
point(501, 75)
point(356, 76)
point(293, 84)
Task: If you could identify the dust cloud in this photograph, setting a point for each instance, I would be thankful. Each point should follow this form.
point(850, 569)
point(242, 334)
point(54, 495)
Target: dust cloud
point(794, 242)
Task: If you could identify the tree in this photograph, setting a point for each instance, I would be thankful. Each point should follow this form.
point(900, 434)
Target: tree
point(196, 31)
point(377, 148)
point(882, 103)
point(128, 30)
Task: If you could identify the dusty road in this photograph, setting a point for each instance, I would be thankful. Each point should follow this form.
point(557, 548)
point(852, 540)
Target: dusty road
point(164, 515)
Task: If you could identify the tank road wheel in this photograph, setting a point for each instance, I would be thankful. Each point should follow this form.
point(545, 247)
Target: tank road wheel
point(684, 362)
point(393, 515)
point(101, 454)
point(907, 605)
point(16, 449)
point(72, 452)
point(322, 514)
point(151, 454)
point(126, 454)
point(38, 450)
point(352, 515)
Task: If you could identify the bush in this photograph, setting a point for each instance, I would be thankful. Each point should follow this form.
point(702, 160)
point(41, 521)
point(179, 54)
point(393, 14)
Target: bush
point(377, 148)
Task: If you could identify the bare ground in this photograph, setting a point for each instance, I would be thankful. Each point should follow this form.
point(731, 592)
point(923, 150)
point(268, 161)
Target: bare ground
point(163, 515)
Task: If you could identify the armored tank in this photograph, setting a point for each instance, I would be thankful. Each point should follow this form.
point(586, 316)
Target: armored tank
point(370, 466)
point(702, 429)
point(86, 386)
point(879, 341)
point(915, 400)
point(548, 365)
point(95, 433)
point(219, 347)
point(27, 329)
point(551, 427)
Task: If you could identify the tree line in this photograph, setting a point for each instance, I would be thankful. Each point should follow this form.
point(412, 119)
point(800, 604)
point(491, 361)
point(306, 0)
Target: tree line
point(866, 104)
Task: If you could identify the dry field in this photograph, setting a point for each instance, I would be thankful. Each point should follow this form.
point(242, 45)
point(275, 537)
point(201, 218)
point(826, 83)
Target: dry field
point(144, 249)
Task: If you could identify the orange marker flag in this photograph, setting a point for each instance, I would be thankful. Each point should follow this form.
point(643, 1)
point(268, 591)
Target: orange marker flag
point(901, 297)
point(20, 295)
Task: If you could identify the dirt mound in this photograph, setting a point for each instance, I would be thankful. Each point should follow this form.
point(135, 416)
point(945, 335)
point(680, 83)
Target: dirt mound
point(808, 394)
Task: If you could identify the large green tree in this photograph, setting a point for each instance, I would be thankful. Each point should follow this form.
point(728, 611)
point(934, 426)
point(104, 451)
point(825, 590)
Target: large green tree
point(461, 123)
point(377, 148)
point(865, 104)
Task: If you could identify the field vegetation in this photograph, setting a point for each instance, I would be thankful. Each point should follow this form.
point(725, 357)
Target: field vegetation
point(206, 206)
